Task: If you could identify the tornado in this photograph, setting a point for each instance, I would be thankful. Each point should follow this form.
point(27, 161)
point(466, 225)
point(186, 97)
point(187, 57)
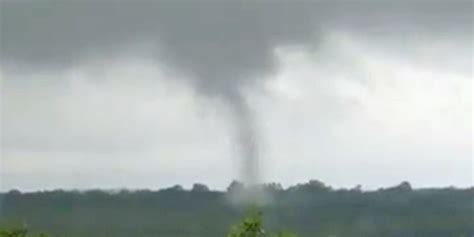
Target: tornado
point(246, 138)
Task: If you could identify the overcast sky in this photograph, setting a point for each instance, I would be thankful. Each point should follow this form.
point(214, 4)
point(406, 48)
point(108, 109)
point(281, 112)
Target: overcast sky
point(111, 94)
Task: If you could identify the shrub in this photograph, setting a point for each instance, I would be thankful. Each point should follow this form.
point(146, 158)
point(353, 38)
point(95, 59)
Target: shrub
point(251, 226)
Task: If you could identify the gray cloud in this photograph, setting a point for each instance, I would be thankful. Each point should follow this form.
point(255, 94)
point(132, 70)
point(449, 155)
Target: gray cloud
point(220, 47)
point(216, 42)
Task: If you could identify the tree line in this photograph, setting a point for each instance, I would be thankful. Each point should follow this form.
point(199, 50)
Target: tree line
point(310, 209)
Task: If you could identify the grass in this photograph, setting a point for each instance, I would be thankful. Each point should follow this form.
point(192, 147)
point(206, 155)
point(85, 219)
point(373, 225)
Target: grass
point(250, 226)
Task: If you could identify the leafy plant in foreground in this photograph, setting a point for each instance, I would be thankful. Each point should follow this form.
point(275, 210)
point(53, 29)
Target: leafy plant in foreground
point(13, 233)
point(251, 226)
point(17, 233)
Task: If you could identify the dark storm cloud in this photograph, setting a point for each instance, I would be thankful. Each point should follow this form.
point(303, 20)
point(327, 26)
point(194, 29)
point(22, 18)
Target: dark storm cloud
point(219, 46)
point(215, 42)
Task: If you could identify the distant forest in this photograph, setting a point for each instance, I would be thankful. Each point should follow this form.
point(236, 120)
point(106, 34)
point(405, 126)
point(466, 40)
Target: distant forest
point(311, 209)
